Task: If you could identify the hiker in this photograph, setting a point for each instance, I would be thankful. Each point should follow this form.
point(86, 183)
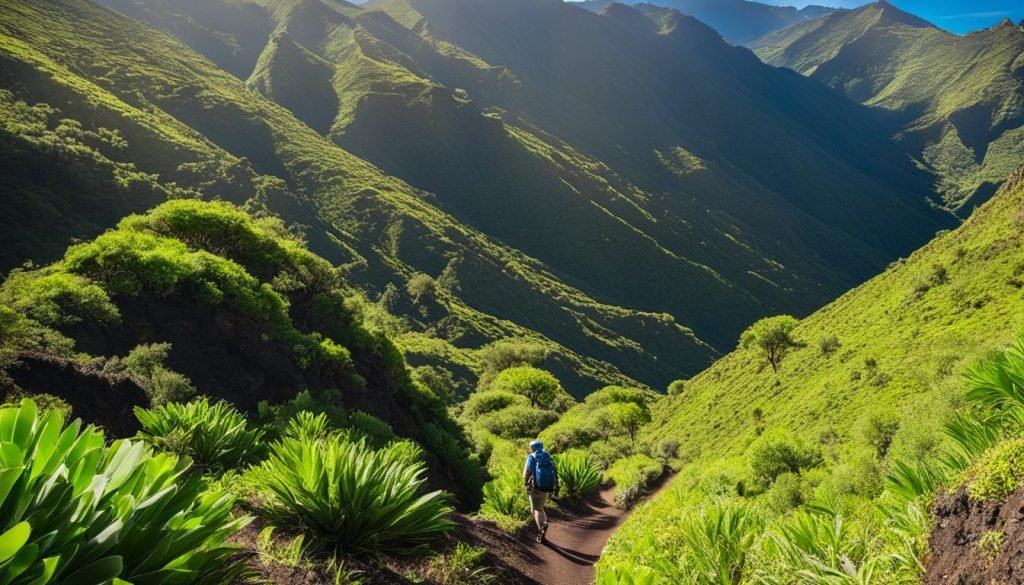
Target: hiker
point(541, 479)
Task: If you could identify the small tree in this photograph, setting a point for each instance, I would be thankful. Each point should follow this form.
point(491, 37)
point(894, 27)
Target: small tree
point(879, 431)
point(676, 388)
point(509, 353)
point(629, 417)
point(438, 380)
point(538, 386)
point(773, 337)
point(421, 286)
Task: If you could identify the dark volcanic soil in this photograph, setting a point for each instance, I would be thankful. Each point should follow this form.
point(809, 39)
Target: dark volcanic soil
point(954, 556)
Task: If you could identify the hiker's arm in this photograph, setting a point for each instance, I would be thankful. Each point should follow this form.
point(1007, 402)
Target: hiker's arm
point(528, 470)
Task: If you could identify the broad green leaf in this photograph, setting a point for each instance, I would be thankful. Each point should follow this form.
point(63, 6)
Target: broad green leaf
point(97, 572)
point(12, 540)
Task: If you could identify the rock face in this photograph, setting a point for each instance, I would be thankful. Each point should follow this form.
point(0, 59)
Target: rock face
point(93, 396)
point(976, 542)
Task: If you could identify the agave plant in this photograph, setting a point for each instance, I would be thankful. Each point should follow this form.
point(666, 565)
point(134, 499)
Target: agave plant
point(349, 496)
point(719, 540)
point(75, 511)
point(214, 435)
point(578, 475)
point(505, 500)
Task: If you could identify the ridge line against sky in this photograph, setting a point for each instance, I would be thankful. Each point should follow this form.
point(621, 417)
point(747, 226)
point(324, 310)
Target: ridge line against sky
point(959, 16)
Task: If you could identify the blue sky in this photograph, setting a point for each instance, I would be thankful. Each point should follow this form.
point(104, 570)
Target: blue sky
point(956, 15)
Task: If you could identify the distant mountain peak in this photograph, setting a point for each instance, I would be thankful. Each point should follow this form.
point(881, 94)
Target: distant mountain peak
point(628, 16)
point(893, 14)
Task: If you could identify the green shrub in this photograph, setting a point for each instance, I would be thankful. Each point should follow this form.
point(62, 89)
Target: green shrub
point(578, 476)
point(376, 431)
point(823, 547)
point(506, 501)
point(772, 337)
point(216, 435)
point(618, 395)
point(145, 365)
point(349, 496)
point(677, 388)
point(538, 386)
point(464, 565)
point(773, 454)
point(481, 403)
point(306, 426)
point(998, 472)
point(75, 511)
point(569, 433)
point(517, 422)
point(719, 540)
point(503, 354)
point(785, 494)
point(879, 431)
point(631, 476)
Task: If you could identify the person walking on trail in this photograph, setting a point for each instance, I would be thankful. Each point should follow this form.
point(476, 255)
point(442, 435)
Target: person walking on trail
point(541, 479)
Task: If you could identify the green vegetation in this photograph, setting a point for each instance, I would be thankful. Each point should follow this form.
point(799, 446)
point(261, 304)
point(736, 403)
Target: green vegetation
point(631, 476)
point(772, 337)
point(955, 97)
point(839, 487)
point(578, 475)
point(506, 502)
point(741, 240)
point(349, 496)
point(262, 305)
point(538, 386)
point(78, 511)
point(215, 436)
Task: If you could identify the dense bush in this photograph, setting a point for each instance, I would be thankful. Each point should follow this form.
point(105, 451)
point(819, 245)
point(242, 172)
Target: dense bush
point(145, 364)
point(998, 472)
point(578, 475)
point(75, 511)
point(506, 501)
point(538, 386)
point(773, 454)
point(213, 435)
point(677, 387)
point(517, 422)
point(631, 476)
point(481, 403)
point(349, 496)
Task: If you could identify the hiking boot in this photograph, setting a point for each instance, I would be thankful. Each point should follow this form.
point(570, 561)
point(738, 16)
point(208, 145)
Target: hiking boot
point(543, 533)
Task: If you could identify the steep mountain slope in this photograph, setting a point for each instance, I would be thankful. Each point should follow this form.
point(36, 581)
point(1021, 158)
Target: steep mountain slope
point(890, 347)
point(958, 99)
point(492, 108)
point(739, 21)
point(162, 121)
point(250, 316)
point(899, 334)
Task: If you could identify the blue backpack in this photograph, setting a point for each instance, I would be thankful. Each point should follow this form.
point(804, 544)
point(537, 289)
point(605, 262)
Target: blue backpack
point(544, 475)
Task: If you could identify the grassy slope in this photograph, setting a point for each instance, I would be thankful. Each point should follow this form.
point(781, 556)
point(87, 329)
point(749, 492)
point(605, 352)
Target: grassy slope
point(191, 123)
point(917, 337)
point(560, 184)
point(958, 97)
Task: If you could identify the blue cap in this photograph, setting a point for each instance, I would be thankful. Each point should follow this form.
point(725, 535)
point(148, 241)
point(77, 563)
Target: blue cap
point(536, 445)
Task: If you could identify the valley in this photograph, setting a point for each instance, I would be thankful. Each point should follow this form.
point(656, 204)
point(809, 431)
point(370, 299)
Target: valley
point(293, 287)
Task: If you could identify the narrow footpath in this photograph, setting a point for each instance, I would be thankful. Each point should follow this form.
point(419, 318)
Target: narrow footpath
point(575, 544)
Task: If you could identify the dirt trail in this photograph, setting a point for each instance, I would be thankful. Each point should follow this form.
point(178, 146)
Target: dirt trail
point(574, 544)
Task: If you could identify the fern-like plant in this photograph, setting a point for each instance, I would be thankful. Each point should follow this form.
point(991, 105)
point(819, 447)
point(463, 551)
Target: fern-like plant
point(213, 435)
point(506, 502)
point(75, 511)
point(349, 496)
point(578, 475)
